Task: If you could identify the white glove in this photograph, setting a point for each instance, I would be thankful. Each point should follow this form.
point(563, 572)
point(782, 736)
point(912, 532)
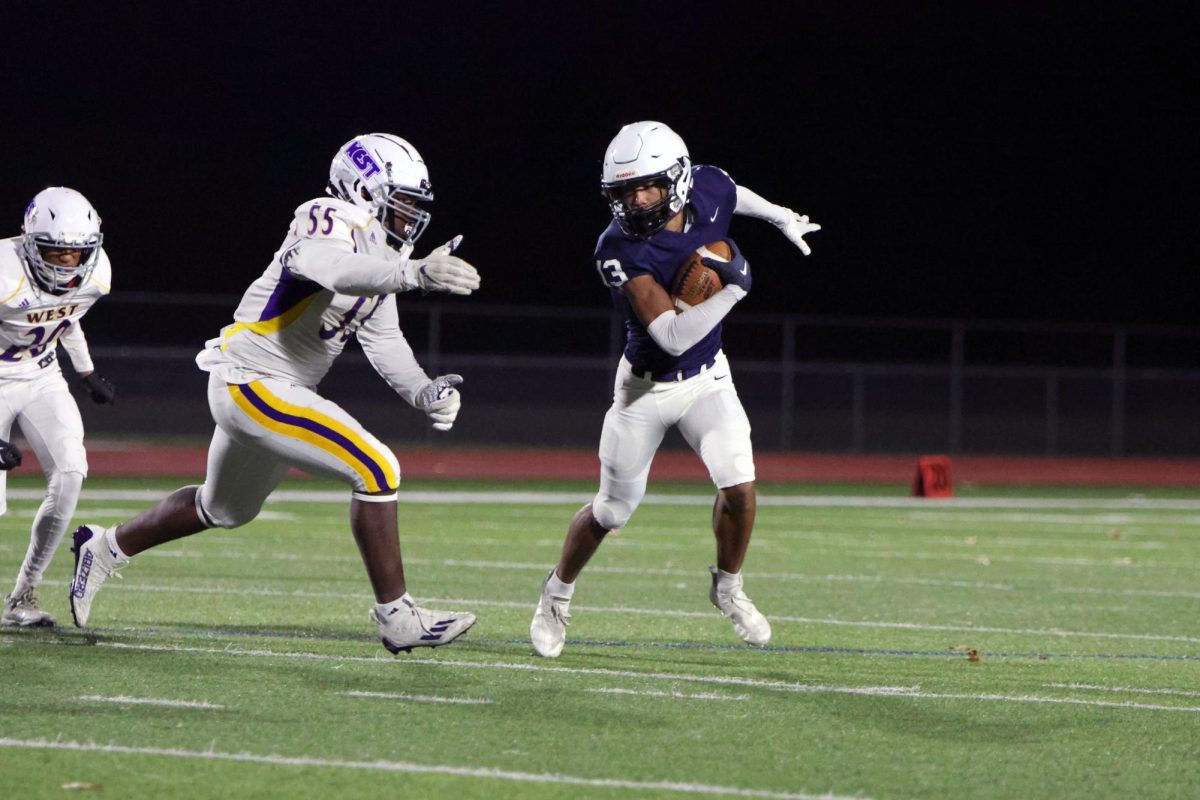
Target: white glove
point(795, 227)
point(441, 401)
point(442, 272)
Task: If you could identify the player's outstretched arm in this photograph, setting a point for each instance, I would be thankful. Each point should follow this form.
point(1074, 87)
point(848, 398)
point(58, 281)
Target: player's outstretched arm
point(793, 225)
point(441, 271)
point(342, 270)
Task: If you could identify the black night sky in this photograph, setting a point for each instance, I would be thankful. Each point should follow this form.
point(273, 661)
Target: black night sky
point(982, 160)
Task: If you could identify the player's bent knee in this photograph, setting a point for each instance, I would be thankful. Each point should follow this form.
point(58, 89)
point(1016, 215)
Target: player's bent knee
point(223, 515)
point(739, 497)
point(611, 512)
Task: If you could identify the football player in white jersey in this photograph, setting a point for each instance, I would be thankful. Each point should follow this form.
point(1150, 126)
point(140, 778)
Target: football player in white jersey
point(332, 278)
point(49, 277)
point(673, 372)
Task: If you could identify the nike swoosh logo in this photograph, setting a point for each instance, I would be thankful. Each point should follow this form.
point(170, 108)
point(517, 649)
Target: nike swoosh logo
point(745, 267)
point(720, 377)
point(713, 218)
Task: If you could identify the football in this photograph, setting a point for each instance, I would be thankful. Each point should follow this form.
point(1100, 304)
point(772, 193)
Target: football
point(693, 282)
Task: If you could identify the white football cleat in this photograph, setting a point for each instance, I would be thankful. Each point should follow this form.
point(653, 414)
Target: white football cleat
point(95, 561)
point(21, 609)
point(748, 622)
point(404, 625)
point(548, 631)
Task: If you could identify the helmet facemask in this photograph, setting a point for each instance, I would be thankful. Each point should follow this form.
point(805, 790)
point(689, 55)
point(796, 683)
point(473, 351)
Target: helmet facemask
point(59, 279)
point(401, 205)
point(642, 222)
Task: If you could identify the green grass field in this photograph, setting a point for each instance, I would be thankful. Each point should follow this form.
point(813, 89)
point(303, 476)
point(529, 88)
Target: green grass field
point(242, 664)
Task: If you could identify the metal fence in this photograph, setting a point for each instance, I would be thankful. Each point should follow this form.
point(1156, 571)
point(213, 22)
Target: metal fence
point(541, 376)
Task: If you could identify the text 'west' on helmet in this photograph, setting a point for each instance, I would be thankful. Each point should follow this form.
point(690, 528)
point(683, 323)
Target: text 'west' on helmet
point(385, 175)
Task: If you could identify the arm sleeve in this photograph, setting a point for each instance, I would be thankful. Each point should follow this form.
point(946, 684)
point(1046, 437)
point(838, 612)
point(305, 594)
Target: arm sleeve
point(334, 264)
point(390, 353)
point(75, 344)
point(675, 333)
point(751, 204)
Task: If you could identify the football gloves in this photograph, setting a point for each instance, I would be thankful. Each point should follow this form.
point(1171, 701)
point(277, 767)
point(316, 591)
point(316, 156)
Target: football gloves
point(735, 271)
point(441, 401)
point(440, 271)
point(10, 455)
point(101, 389)
point(795, 227)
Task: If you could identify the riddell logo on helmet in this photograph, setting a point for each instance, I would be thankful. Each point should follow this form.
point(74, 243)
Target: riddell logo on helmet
point(360, 158)
point(629, 173)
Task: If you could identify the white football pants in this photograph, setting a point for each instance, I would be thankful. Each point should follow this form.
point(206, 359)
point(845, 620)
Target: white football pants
point(709, 415)
point(265, 427)
point(49, 420)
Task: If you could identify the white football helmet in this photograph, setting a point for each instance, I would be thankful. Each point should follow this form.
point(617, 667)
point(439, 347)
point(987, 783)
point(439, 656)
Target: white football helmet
point(646, 153)
point(59, 218)
point(385, 175)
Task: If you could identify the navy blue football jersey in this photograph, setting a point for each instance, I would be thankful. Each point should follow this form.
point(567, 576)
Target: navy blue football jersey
point(620, 258)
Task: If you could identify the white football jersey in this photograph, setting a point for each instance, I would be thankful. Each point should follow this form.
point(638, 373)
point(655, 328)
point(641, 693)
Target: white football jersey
point(291, 324)
point(33, 322)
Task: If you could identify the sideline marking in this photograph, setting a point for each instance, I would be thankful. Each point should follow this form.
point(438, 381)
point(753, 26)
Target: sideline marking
point(406, 766)
point(421, 698)
point(147, 701)
point(574, 498)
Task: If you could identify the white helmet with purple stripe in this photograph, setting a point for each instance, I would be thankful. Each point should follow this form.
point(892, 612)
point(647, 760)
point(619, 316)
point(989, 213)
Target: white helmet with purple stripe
point(385, 175)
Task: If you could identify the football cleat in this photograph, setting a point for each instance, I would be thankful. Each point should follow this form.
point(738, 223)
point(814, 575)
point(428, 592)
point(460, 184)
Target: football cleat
point(21, 610)
point(95, 561)
point(748, 622)
point(548, 631)
point(404, 625)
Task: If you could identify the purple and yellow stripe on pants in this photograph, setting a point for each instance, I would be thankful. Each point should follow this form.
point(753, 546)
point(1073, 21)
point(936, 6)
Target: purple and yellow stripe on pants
point(319, 430)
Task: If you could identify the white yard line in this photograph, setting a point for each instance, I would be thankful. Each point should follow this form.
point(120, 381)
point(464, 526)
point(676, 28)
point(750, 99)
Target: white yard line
point(409, 767)
point(1119, 689)
point(904, 692)
point(672, 695)
point(676, 613)
point(147, 701)
point(421, 698)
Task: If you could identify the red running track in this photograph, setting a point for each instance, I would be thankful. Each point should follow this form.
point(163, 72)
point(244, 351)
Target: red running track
point(138, 459)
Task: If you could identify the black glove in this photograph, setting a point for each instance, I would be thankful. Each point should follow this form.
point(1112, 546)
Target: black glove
point(736, 270)
point(101, 389)
point(10, 455)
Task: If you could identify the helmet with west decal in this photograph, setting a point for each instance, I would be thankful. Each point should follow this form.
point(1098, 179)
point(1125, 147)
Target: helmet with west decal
point(61, 240)
point(385, 175)
point(646, 154)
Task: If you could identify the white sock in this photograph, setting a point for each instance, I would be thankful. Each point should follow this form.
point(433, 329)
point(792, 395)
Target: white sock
point(557, 588)
point(385, 609)
point(110, 538)
point(728, 582)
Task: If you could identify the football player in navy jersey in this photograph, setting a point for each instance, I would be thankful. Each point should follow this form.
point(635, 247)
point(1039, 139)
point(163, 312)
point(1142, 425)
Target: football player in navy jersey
point(672, 372)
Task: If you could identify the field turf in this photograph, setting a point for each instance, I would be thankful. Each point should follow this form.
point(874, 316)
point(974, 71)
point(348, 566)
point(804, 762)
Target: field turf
point(1006, 644)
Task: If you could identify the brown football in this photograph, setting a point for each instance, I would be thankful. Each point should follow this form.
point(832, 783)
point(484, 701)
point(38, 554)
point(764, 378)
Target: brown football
point(693, 282)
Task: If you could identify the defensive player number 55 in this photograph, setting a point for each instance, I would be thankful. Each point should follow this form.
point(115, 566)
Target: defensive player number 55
point(326, 226)
point(611, 272)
